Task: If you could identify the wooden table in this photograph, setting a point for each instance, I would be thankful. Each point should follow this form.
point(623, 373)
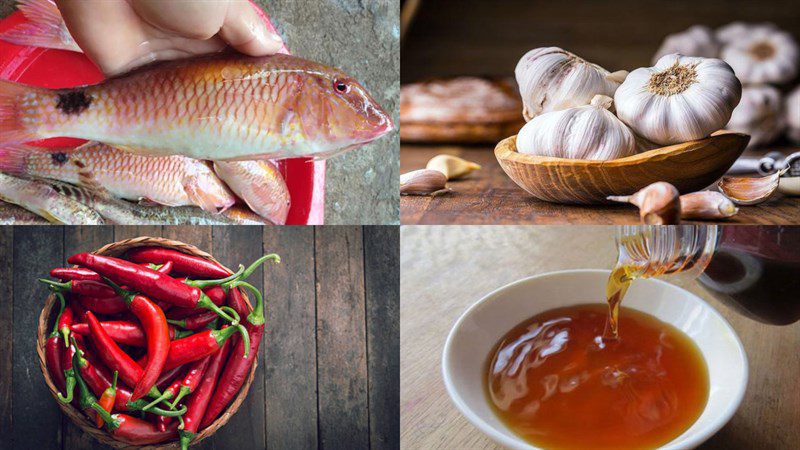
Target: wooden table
point(489, 196)
point(446, 269)
point(328, 366)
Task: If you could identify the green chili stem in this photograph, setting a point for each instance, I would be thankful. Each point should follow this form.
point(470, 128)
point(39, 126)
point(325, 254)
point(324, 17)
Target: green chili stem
point(182, 393)
point(202, 284)
point(256, 317)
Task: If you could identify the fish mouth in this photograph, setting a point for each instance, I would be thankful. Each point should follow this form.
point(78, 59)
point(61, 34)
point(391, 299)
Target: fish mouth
point(380, 121)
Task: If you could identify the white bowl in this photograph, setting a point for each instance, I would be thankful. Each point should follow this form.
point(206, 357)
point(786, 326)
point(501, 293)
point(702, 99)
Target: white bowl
point(484, 323)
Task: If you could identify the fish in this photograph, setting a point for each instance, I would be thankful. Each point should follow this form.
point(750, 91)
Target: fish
point(260, 185)
point(44, 27)
point(43, 200)
point(167, 180)
point(224, 106)
point(14, 215)
point(121, 212)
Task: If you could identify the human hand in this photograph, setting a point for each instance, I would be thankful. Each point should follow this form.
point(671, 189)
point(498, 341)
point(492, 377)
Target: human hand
point(119, 35)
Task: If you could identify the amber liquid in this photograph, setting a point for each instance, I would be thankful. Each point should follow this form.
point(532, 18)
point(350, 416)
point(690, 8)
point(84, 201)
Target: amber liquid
point(557, 383)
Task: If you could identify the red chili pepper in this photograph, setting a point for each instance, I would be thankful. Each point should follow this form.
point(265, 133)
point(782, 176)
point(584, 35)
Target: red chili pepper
point(196, 321)
point(107, 399)
point(121, 426)
point(237, 368)
point(215, 293)
point(98, 379)
point(197, 346)
point(168, 376)
point(105, 306)
point(69, 373)
point(156, 285)
point(75, 273)
point(192, 266)
point(124, 332)
point(53, 347)
point(78, 311)
point(198, 402)
point(113, 356)
point(156, 329)
point(88, 288)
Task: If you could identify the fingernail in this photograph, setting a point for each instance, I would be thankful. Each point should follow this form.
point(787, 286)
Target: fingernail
point(275, 37)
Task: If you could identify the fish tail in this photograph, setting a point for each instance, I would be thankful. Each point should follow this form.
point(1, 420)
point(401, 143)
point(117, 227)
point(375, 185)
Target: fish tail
point(13, 158)
point(45, 27)
point(12, 129)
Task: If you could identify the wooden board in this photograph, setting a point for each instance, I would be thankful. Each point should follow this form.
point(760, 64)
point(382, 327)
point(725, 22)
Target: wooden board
point(479, 37)
point(447, 269)
point(319, 309)
point(489, 196)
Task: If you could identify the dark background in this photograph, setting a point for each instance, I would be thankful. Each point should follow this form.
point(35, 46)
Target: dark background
point(485, 37)
point(328, 368)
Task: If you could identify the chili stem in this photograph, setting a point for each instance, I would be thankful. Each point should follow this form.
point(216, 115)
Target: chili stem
point(256, 317)
point(202, 284)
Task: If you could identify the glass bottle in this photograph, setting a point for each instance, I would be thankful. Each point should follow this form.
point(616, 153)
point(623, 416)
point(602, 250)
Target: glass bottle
point(755, 269)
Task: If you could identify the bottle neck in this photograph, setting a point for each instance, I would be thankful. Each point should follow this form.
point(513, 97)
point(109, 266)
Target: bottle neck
point(654, 251)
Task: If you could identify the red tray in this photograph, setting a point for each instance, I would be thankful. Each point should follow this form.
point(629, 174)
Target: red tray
point(60, 68)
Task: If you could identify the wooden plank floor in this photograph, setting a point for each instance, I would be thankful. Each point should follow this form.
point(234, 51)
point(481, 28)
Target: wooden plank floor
point(489, 196)
point(328, 374)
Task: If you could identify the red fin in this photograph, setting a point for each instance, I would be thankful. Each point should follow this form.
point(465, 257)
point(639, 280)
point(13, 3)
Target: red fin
point(12, 131)
point(13, 158)
point(45, 27)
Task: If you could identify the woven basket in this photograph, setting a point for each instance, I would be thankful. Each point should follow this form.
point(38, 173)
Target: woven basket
point(47, 321)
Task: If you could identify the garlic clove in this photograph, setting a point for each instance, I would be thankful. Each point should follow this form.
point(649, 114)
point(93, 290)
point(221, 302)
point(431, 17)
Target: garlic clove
point(792, 112)
point(789, 186)
point(618, 76)
point(697, 40)
point(750, 191)
point(553, 79)
point(582, 132)
point(423, 182)
point(679, 99)
point(759, 114)
point(451, 166)
point(706, 205)
point(659, 203)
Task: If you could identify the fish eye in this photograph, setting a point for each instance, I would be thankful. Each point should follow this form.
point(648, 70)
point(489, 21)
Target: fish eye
point(341, 86)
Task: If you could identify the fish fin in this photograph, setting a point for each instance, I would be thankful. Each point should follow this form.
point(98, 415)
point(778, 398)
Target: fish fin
point(144, 201)
point(91, 186)
point(13, 158)
point(45, 27)
point(12, 131)
point(192, 184)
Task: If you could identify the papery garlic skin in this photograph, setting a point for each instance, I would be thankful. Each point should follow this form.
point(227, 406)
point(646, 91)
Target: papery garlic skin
point(759, 114)
point(737, 30)
point(582, 132)
point(680, 99)
point(552, 79)
point(763, 56)
point(697, 40)
point(793, 115)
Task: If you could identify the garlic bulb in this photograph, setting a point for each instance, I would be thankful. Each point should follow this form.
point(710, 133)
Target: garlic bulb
point(759, 114)
point(680, 99)
point(582, 132)
point(737, 30)
point(793, 114)
point(552, 79)
point(695, 41)
point(763, 56)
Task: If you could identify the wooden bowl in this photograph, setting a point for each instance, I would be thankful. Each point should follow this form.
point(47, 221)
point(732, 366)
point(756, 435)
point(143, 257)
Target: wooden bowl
point(690, 167)
point(47, 320)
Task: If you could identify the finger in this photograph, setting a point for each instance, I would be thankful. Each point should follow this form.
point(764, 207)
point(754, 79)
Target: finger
point(245, 31)
point(108, 31)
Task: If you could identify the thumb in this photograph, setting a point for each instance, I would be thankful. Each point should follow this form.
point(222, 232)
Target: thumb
point(245, 31)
